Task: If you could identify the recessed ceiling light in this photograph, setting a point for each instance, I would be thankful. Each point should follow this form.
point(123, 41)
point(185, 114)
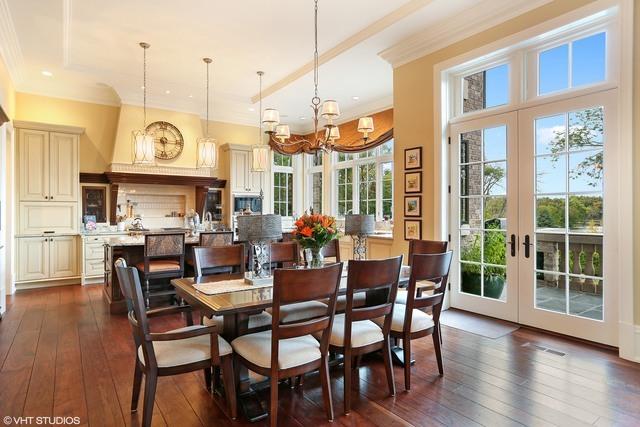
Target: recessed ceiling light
point(252, 109)
point(302, 118)
point(167, 92)
point(190, 96)
point(47, 73)
point(355, 98)
point(141, 87)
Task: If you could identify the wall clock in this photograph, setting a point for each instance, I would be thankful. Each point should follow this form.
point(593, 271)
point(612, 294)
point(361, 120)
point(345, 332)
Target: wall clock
point(168, 139)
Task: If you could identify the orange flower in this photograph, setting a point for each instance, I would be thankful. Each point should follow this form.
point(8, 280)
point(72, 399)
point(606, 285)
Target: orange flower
point(299, 223)
point(326, 222)
point(306, 232)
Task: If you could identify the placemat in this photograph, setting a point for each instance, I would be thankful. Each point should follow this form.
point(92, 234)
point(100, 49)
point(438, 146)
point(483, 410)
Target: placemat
point(227, 286)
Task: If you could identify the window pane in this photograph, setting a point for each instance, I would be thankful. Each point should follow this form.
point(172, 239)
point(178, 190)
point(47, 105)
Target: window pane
point(471, 146)
point(551, 134)
point(585, 213)
point(553, 70)
point(387, 147)
point(497, 86)
point(551, 174)
point(585, 129)
point(317, 158)
point(495, 143)
point(585, 171)
point(316, 193)
point(495, 178)
point(550, 213)
point(588, 60)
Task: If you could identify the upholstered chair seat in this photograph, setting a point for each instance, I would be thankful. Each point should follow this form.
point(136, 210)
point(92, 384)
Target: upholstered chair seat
point(160, 265)
point(255, 321)
point(185, 351)
point(363, 332)
point(420, 320)
point(301, 311)
point(292, 352)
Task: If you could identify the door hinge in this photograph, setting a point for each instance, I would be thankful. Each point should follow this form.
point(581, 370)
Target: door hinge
point(449, 238)
point(449, 286)
point(449, 189)
point(449, 140)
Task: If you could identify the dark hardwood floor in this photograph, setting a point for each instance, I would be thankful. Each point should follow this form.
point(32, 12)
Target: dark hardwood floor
point(63, 354)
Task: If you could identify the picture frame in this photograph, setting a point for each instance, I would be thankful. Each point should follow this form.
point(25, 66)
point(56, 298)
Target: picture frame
point(413, 182)
point(413, 206)
point(413, 158)
point(412, 229)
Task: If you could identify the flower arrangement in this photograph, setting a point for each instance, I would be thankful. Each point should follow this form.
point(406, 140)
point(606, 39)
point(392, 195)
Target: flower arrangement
point(314, 231)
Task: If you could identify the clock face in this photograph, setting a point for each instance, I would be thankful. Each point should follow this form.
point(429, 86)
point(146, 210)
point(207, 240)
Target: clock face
point(168, 139)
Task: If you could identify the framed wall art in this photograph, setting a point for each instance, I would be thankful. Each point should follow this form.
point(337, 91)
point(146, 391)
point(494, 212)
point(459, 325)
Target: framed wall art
point(412, 229)
point(413, 182)
point(413, 158)
point(413, 206)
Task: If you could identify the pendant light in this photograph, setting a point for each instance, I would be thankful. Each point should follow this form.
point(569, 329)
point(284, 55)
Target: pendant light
point(260, 151)
point(207, 147)
point(143, 140)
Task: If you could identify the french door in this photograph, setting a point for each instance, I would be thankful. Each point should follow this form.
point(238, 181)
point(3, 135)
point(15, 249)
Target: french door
point(533, 216)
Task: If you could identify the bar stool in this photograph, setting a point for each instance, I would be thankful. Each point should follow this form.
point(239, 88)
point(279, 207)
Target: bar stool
point(163, 259)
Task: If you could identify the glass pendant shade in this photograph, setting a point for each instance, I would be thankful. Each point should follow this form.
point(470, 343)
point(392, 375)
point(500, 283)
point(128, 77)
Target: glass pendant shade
point(283, 132)
point(260, 158)
point(330, 109)
point(332, 134)
point(270, 116)
point(365, 125)
point(207, 153)
point(144, 148)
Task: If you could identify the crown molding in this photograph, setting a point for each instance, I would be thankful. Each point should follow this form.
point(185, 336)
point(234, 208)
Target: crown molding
point(9, 46)
point(479, 18)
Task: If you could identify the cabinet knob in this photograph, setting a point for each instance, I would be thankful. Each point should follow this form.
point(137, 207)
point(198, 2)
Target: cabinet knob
point(51, 197)
point(46, 197)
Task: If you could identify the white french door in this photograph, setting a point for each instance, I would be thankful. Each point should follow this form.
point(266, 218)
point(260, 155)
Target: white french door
point(484, 218)
point(533, 216)
point(567, 209)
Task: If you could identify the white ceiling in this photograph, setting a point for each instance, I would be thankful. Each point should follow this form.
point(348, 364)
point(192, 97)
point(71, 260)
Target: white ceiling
point(91, 47)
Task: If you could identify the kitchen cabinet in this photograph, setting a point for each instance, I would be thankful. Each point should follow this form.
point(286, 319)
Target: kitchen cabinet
point(43, 258)
point(243, 179)
point(48, 166)
point(93, 253)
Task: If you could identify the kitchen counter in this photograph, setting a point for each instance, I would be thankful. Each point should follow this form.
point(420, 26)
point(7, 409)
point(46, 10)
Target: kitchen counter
point(139, 241)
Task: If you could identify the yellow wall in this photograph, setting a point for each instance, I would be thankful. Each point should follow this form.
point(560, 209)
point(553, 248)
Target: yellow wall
point(413, 110)
point(7, 91)
point(99, 121)
point(636, 153)
point(190, 126)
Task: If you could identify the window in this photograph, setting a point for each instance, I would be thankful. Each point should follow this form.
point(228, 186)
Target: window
point(314, 181)
point(316, 192)
point(282, 185)
point(485, 89)
point(578, 63)
point(364, 182)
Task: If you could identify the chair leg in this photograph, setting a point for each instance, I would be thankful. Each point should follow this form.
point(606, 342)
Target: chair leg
point(436, 345)
point(348, 374)
point(137, 384)
point(388, 367)
point(207, 378)
point(230, 391)
point(440, 332)
point(406, 347)
point(326, 388)
point(150, 383)
point(300, 380)
point(273, 402)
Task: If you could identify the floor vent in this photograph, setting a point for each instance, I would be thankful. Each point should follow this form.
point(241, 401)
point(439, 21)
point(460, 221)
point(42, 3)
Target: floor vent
point(545, 349)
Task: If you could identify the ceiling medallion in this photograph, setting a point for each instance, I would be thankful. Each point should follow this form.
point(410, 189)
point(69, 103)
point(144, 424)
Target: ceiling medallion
point(280, 137)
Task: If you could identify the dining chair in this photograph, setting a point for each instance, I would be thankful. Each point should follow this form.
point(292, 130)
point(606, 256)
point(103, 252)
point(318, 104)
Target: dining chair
point(284, 254)
point(421, 247)
point(290, 349)
point(332, 250)
point(208, 239)
point(178, 351)
point(410, 322)
point(225, 260)
point(354, 333)
point(163, 259)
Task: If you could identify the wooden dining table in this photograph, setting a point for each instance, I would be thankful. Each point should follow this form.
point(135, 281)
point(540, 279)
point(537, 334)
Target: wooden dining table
point(236, 306)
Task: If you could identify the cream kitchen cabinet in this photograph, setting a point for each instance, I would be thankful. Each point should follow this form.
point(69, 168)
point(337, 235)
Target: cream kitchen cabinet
point(43, 258)
point(93, 258)
point(48, 166)
point(242, 178)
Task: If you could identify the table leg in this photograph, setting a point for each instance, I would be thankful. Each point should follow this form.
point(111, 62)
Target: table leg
point(397, 354)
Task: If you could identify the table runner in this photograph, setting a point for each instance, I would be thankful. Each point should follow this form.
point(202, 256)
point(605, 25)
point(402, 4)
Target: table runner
point(227, 286)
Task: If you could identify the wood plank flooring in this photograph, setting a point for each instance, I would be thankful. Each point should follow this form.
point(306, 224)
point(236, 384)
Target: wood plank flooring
point(63, 354)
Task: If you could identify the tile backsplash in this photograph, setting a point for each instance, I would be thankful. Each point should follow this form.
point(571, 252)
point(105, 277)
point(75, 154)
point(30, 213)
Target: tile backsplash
point(156, 204)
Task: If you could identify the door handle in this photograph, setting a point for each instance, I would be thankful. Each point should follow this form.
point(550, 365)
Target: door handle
point(513, 244)
point(527, 246)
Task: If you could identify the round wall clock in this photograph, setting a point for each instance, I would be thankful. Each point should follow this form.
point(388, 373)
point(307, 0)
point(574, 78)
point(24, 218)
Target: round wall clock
point(168, 139)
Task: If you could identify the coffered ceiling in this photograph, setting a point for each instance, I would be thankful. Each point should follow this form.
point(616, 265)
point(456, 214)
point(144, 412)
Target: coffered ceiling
point(91, 49)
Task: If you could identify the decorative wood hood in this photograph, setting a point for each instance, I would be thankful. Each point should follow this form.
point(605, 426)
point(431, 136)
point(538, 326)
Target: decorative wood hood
point(147, 178)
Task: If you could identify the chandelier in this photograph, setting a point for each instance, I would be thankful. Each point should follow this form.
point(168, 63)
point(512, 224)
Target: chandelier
point(326, 140)
point(207, 150)
point(260, 151)
point(142, 140)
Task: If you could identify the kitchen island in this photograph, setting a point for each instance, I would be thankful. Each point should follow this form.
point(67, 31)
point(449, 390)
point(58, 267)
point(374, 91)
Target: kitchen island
point(131, 249)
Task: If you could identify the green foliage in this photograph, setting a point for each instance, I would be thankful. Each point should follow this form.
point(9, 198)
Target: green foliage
point(585, 212)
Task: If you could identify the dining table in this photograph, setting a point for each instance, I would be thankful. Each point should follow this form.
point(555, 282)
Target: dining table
point(235, 297)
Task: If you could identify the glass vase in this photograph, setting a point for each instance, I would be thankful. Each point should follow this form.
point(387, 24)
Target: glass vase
point(317, 259)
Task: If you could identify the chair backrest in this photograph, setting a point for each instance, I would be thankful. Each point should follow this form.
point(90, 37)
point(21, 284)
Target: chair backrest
point(434, 268)
point(380, 275)
point(299, 285)
point(130, 286)
point(332, 249)
point(283, 253)
point(426, 247)
point(216, 238)
point(163, 245)
point(219, 259)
